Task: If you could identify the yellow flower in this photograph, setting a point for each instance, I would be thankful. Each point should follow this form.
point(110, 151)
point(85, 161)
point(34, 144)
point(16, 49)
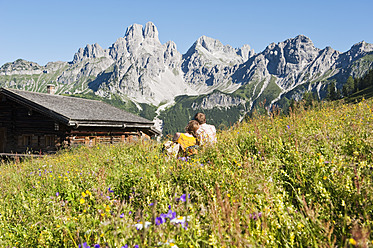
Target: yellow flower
point(87, 192)
point(228, 195)
point(82, 201)
point(352, 241)
point(83, 194)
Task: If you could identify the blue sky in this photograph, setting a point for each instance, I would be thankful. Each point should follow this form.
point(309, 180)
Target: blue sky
point(52, 30)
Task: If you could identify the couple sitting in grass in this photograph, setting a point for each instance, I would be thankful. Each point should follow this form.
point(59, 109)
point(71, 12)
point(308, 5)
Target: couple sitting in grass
point(197, 133)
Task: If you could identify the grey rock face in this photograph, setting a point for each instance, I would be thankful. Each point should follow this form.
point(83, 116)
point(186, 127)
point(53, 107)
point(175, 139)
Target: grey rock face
point(144, 69)
point(21, 67)
point(209, 64)
point(90, 52)
point(218, 100)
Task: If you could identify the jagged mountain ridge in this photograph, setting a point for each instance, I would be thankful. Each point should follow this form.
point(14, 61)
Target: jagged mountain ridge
point(138, 68)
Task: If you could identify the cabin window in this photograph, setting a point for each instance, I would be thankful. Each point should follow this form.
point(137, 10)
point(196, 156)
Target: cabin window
point(26, 140)
point(56, 127)
point(49, 140)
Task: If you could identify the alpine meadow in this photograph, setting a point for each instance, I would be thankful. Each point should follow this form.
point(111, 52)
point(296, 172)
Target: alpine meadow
point(297, 180)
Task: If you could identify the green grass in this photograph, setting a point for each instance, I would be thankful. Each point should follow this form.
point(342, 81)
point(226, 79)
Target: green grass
point(303, 180)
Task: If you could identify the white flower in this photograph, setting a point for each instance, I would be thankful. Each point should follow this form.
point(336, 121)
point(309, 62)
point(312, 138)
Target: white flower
point(180, 220)
point(139, 225)
point(169, 242)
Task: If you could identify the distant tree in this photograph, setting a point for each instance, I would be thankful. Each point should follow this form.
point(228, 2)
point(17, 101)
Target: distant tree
point(332, 92)
point(366, 81)
point(292, 105)
point(348, 87)
point(309, 99)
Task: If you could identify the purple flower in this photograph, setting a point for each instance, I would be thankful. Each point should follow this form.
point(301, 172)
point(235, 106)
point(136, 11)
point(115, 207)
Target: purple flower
point(125, 246)
point(121, 216)
point(169, 207)
point(185, 159)
point(160, 220)
point(136, 246)
point(151, 204)
point(57, 194)
point(84, 245)
point(108, 197)
point(288, 126)
point(183, 198)
point(171, 215)
point(130, 212)
point(110, 190)
point(97, 246)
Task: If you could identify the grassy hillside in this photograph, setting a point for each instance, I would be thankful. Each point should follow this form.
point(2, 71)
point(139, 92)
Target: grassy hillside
point(299, 181)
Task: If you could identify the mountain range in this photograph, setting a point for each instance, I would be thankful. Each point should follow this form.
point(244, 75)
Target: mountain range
point(156, 81)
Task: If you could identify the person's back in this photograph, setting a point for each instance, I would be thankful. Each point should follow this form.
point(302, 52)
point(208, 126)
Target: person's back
point(187, 141)
point(206, 134)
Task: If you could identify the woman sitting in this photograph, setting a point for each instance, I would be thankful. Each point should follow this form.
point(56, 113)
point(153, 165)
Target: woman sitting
point(187, 140)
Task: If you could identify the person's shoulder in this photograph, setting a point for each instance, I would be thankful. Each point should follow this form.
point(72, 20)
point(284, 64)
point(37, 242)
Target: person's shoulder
point(211, 126)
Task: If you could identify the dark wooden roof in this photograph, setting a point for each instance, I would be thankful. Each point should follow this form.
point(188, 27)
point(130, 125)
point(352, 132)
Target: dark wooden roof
point(75, 111)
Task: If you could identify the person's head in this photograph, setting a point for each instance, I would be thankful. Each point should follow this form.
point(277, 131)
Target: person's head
point(192, 127)
point(200, 117)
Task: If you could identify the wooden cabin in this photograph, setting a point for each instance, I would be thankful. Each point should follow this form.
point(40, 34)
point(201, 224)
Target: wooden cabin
point(43, 123)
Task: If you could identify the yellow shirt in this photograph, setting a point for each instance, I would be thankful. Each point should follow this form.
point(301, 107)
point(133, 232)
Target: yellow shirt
point(186, 141)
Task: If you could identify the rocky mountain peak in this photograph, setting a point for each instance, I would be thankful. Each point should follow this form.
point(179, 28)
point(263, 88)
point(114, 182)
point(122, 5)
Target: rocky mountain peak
point(246, 52)
point(150, 31)
point(134, 32)
point(209, 43)
point(89, 52)
point(361, 47)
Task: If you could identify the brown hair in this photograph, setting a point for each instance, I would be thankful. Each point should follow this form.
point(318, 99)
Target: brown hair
point(200, 117)
point(192, 127)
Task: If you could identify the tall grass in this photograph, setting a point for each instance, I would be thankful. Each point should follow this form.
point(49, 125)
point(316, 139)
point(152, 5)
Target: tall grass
point(303, 180)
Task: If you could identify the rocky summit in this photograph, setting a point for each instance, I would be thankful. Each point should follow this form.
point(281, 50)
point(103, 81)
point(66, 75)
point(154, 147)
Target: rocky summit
point(158, 80)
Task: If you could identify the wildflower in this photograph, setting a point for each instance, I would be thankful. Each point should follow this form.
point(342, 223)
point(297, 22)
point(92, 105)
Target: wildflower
point(125, 246)
point(183, 197)
point(110, 190)
point(82, 201)
point(57, 194)
point(83, 194)
point(178, 220)
point(181, 220)
point(352, 241)
point(136, 246)
point(84, 245)
point(161, 219)
point(87, 192)
point(139, 225)
point(170, 214)
point(151, 204)
point(169, 242)
point(121, 216)
point(97, 246)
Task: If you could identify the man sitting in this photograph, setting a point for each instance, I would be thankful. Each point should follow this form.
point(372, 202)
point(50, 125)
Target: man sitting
point(206, 134)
